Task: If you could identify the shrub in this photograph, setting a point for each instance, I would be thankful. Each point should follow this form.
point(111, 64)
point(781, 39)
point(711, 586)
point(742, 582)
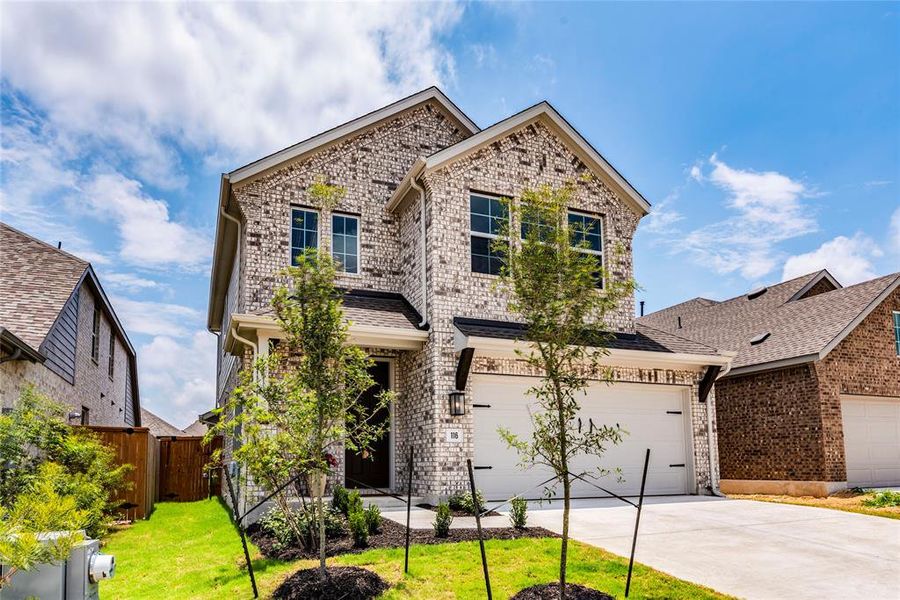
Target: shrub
point(883, 499)
point(359, 528)
point(275, 522)
point(518, 513)
point(463, 501)
point(373, 518)
point(354, 503)
point(339, 499)
point(442, 520)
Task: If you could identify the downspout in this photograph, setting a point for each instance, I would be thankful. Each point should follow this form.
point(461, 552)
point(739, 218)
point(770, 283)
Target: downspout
point(424, 273)
point(713, 457)
point(242, 497)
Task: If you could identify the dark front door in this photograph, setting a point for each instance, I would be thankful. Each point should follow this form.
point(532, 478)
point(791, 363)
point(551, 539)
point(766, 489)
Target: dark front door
point(373, 468)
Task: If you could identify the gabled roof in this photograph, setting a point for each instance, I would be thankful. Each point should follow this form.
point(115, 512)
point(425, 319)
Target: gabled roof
point(548, 115)
point(351, 128)
point(159, 426)
point(801, 329)
point(36, 281)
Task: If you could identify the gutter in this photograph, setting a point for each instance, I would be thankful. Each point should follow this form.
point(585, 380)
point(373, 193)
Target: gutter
point(713, 456)
point(424, 273)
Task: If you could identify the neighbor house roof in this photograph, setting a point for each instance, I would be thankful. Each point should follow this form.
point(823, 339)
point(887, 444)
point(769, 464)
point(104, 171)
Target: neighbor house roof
point(157, 425)
point(788, 325)
point(226, 234)
point(196, 429)
point(36, 281)
point(546, 114)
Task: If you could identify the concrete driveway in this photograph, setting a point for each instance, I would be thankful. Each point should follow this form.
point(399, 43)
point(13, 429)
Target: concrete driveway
point(745, 548)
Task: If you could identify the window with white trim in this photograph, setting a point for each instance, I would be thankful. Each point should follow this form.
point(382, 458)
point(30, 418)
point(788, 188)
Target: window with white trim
point(587, 235)
point(111, 368)
point(95, 336)
point(304, 231)
point(345, 241)
point(897, 331)
point(487, 215)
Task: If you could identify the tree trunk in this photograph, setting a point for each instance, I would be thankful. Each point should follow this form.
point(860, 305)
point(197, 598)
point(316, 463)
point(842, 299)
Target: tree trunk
point(323, 574)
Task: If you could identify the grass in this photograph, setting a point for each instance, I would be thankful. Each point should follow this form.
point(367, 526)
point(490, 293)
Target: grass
point(191, 550)
point(866, 502)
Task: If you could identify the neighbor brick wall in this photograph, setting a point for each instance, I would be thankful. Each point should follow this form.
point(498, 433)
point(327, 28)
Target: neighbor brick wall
point(770, 426)
point(91, 379)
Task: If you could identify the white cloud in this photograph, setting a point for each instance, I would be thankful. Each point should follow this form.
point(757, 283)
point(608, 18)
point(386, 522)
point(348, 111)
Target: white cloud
point(848, 259)
point(129, 282)
point(767, 209)
point(484, 54)
point(156, 318)
point(878, 183)
point(894, 231)
point(178, 376)
point(148, 237)
point(663, 217)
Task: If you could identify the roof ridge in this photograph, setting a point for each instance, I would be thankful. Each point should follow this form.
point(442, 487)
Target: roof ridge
point(43, 243)
point(681, 337)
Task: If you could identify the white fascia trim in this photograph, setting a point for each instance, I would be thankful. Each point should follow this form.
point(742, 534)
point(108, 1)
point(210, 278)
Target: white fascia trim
point(823, 275)
point(361, 335)
point(775, 364)
point(405, 185)
point(860, 317)
point(349, 128)
point(544, 109)
point(500, 348)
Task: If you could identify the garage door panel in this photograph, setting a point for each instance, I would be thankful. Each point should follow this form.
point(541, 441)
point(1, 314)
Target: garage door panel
point(871, 440)
point(652, 415)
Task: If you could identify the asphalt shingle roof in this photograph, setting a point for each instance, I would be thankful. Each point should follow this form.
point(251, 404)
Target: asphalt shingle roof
point(383, 309)
point(159, 426)
point(797, 327)
point(36, 281)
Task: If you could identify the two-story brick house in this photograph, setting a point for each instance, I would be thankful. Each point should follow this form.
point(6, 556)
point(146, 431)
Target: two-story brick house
point(59, 333)
point(811, 404)
point(413, 231)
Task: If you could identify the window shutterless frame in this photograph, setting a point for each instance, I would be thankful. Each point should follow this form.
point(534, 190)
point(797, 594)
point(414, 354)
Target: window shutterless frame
point(304, 230)
point(591, 232)
point(345, 236)
point(897, 331)
point(95, 336)
point(486, 217)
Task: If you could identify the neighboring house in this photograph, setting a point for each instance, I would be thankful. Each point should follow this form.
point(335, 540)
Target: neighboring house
point(812, 401)
point(59, 332)
point(413, 236)
point(158, 426)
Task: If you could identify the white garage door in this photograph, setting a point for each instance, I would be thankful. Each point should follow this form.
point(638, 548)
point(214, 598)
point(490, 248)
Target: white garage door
point(654, 415)
point(871, 440)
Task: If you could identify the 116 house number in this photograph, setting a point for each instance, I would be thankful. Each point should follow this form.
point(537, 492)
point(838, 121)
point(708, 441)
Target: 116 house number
point(454, 436)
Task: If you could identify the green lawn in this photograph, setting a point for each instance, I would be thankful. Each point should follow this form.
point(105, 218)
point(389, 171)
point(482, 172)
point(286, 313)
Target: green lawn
point(191, 550)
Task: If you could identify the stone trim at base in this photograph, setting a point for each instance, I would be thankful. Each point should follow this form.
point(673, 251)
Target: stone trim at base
point(818, 489)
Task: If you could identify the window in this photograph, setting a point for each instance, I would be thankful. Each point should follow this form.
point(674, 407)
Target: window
point(587, 234)
point(345, 241)
point(486, 215)
point(897, 331)
point(95, 336)
point(544, 229)
point(85, 415)
point(304, 231)
point(112, 354)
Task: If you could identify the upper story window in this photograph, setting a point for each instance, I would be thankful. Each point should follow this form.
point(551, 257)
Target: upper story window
point(95, 335)
point(487, 216)
point(897, 331)
point(112, 355)
point(587, 233)
point(345, 241)
point(304, 231)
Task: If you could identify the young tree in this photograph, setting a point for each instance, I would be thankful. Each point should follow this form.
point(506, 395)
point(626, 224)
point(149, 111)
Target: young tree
point(298, 407)
point(563, 294)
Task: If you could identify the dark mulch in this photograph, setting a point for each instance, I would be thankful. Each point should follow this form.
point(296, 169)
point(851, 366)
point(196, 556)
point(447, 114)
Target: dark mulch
point(458, 512)
point(392, 535)
point(550, 591)
point(343, 583)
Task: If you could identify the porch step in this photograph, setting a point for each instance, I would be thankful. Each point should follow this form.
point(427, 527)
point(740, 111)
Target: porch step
point(389, 502)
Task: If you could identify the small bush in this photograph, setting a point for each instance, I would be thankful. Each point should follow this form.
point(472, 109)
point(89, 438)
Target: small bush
point(373, 518)
point(442, 520)
point(463, 501)
point(883, 499)
point(359, 528)
point(354, 503)
point(339, 499)
point(518, 513)
point(275, 522)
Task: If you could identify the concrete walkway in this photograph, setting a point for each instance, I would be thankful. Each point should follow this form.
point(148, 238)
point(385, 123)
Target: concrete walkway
point(422, 518)
point(745, 548)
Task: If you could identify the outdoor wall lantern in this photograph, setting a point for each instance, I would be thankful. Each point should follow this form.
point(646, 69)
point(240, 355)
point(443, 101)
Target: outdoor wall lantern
point(457, 403)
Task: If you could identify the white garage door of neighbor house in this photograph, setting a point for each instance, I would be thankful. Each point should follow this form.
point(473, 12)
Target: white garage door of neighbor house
point(656, 417)
point(871, 440)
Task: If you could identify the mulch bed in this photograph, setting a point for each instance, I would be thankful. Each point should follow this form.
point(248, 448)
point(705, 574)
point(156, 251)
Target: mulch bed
point(343, 583)
point(550, 591)
point(392, 535)
point(458, 512)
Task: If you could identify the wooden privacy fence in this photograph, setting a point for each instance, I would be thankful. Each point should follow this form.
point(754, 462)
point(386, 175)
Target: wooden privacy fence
point(183, 476)
point(134, 446)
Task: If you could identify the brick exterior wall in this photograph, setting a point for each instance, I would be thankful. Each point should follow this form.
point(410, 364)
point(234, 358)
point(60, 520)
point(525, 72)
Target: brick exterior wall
point(786, 424)
point(91, 379)
point(370, 166)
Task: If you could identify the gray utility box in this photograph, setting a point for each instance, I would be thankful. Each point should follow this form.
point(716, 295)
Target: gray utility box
point(76, 578)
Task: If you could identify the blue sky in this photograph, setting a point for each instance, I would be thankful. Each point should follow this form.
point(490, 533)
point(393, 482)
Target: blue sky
point(767, 136)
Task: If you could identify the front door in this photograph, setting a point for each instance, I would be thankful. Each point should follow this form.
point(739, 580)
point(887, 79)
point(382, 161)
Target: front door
point(373, 468)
